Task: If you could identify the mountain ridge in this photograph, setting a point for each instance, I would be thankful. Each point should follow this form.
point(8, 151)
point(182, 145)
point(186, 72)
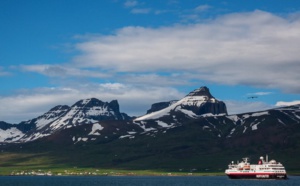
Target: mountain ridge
point(176, 137)
point(96, 114)
point(82, 112)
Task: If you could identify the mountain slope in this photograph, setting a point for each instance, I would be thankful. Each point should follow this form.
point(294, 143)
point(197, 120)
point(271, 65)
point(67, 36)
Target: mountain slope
point(198, 102)
point(92, 111)
point(205, 143)
point(9, 132)
point(194, 133)
point(83, 112)
point(87, 111)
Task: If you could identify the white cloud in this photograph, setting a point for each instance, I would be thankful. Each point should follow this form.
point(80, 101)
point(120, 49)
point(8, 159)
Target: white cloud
point(256, 48)
point(284, 103)
point(158, 12)
point(259, 94)
point(130, 3)
point(155, 79)
point(149, 79)
point(202, 8)
point(132, 100)
point(140, 10)
point(62, 71)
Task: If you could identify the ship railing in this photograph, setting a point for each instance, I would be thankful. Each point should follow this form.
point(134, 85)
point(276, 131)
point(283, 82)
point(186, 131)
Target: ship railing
point(231, 166)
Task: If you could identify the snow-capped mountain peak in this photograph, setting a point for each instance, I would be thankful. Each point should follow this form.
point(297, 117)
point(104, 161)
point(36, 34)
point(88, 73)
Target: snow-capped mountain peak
point(86, 111)
point(196, 103)
point(202, 91)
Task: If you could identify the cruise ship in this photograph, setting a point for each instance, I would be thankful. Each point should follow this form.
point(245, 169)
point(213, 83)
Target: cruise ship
point(263, 170)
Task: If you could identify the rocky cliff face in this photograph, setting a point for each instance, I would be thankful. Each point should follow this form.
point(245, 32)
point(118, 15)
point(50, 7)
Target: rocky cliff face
point(196, 103)
point(210, 105)
point(159, 106)
point(97, 110)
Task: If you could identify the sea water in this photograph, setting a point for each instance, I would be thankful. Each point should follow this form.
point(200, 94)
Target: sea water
point(139, 181)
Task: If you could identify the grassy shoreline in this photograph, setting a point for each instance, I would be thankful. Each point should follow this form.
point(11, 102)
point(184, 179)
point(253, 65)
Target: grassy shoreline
point(23, 171)
point(66, 171)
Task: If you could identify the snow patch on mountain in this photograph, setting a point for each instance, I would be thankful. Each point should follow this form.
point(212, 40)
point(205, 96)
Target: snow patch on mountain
point(297, 114)
point(245, 128)
point(246, 116)
point(254, 126)
point(34, 136)
point(142, 125)
point(79, 139)
point(40, 123)
point(260, 113)
point(205, 127)
point(234, 118)
point(126, 136)
point(189, 113)
point(95, 129)
point(281, 122)
point(231, 132)
point(162, 124)
point(10, 135)
point(51, 116)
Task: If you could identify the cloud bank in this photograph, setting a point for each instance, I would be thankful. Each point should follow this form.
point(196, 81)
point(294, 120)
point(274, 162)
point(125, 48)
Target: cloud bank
point(141, 65)
point(256, 48)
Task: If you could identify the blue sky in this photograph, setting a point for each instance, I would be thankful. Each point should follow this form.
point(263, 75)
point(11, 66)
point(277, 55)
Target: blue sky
point(141, 52)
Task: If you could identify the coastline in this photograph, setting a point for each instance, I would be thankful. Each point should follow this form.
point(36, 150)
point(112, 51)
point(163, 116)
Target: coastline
point(79, 171)
point(97, 172)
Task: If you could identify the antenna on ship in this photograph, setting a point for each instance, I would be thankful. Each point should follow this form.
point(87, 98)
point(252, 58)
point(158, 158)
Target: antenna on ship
point(267, 159)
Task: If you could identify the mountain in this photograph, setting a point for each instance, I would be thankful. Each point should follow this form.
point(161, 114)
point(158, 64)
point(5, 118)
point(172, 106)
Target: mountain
point(204, 143)
point(83, 112)
point(91, 111)
point(194, 133)
point(197, 103)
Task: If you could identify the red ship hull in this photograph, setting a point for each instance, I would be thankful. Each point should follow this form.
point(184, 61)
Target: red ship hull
point(257, 176)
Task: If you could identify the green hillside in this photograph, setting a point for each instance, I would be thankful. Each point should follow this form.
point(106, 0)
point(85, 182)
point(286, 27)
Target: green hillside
point(187, 148)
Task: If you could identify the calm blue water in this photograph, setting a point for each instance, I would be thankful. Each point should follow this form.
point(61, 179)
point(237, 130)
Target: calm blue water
point(138, 181)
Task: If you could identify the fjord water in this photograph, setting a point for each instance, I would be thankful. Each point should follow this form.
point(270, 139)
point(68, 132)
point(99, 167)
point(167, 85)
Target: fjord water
point(139, 181)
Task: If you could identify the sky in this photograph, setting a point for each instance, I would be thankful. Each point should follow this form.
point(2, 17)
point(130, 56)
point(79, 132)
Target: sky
point(139, 52)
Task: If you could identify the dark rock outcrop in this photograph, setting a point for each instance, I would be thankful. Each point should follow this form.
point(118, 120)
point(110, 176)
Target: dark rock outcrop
point(160, 105)
point(209, 105)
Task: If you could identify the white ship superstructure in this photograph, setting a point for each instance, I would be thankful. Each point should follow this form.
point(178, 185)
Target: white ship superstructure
point(264, 169)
